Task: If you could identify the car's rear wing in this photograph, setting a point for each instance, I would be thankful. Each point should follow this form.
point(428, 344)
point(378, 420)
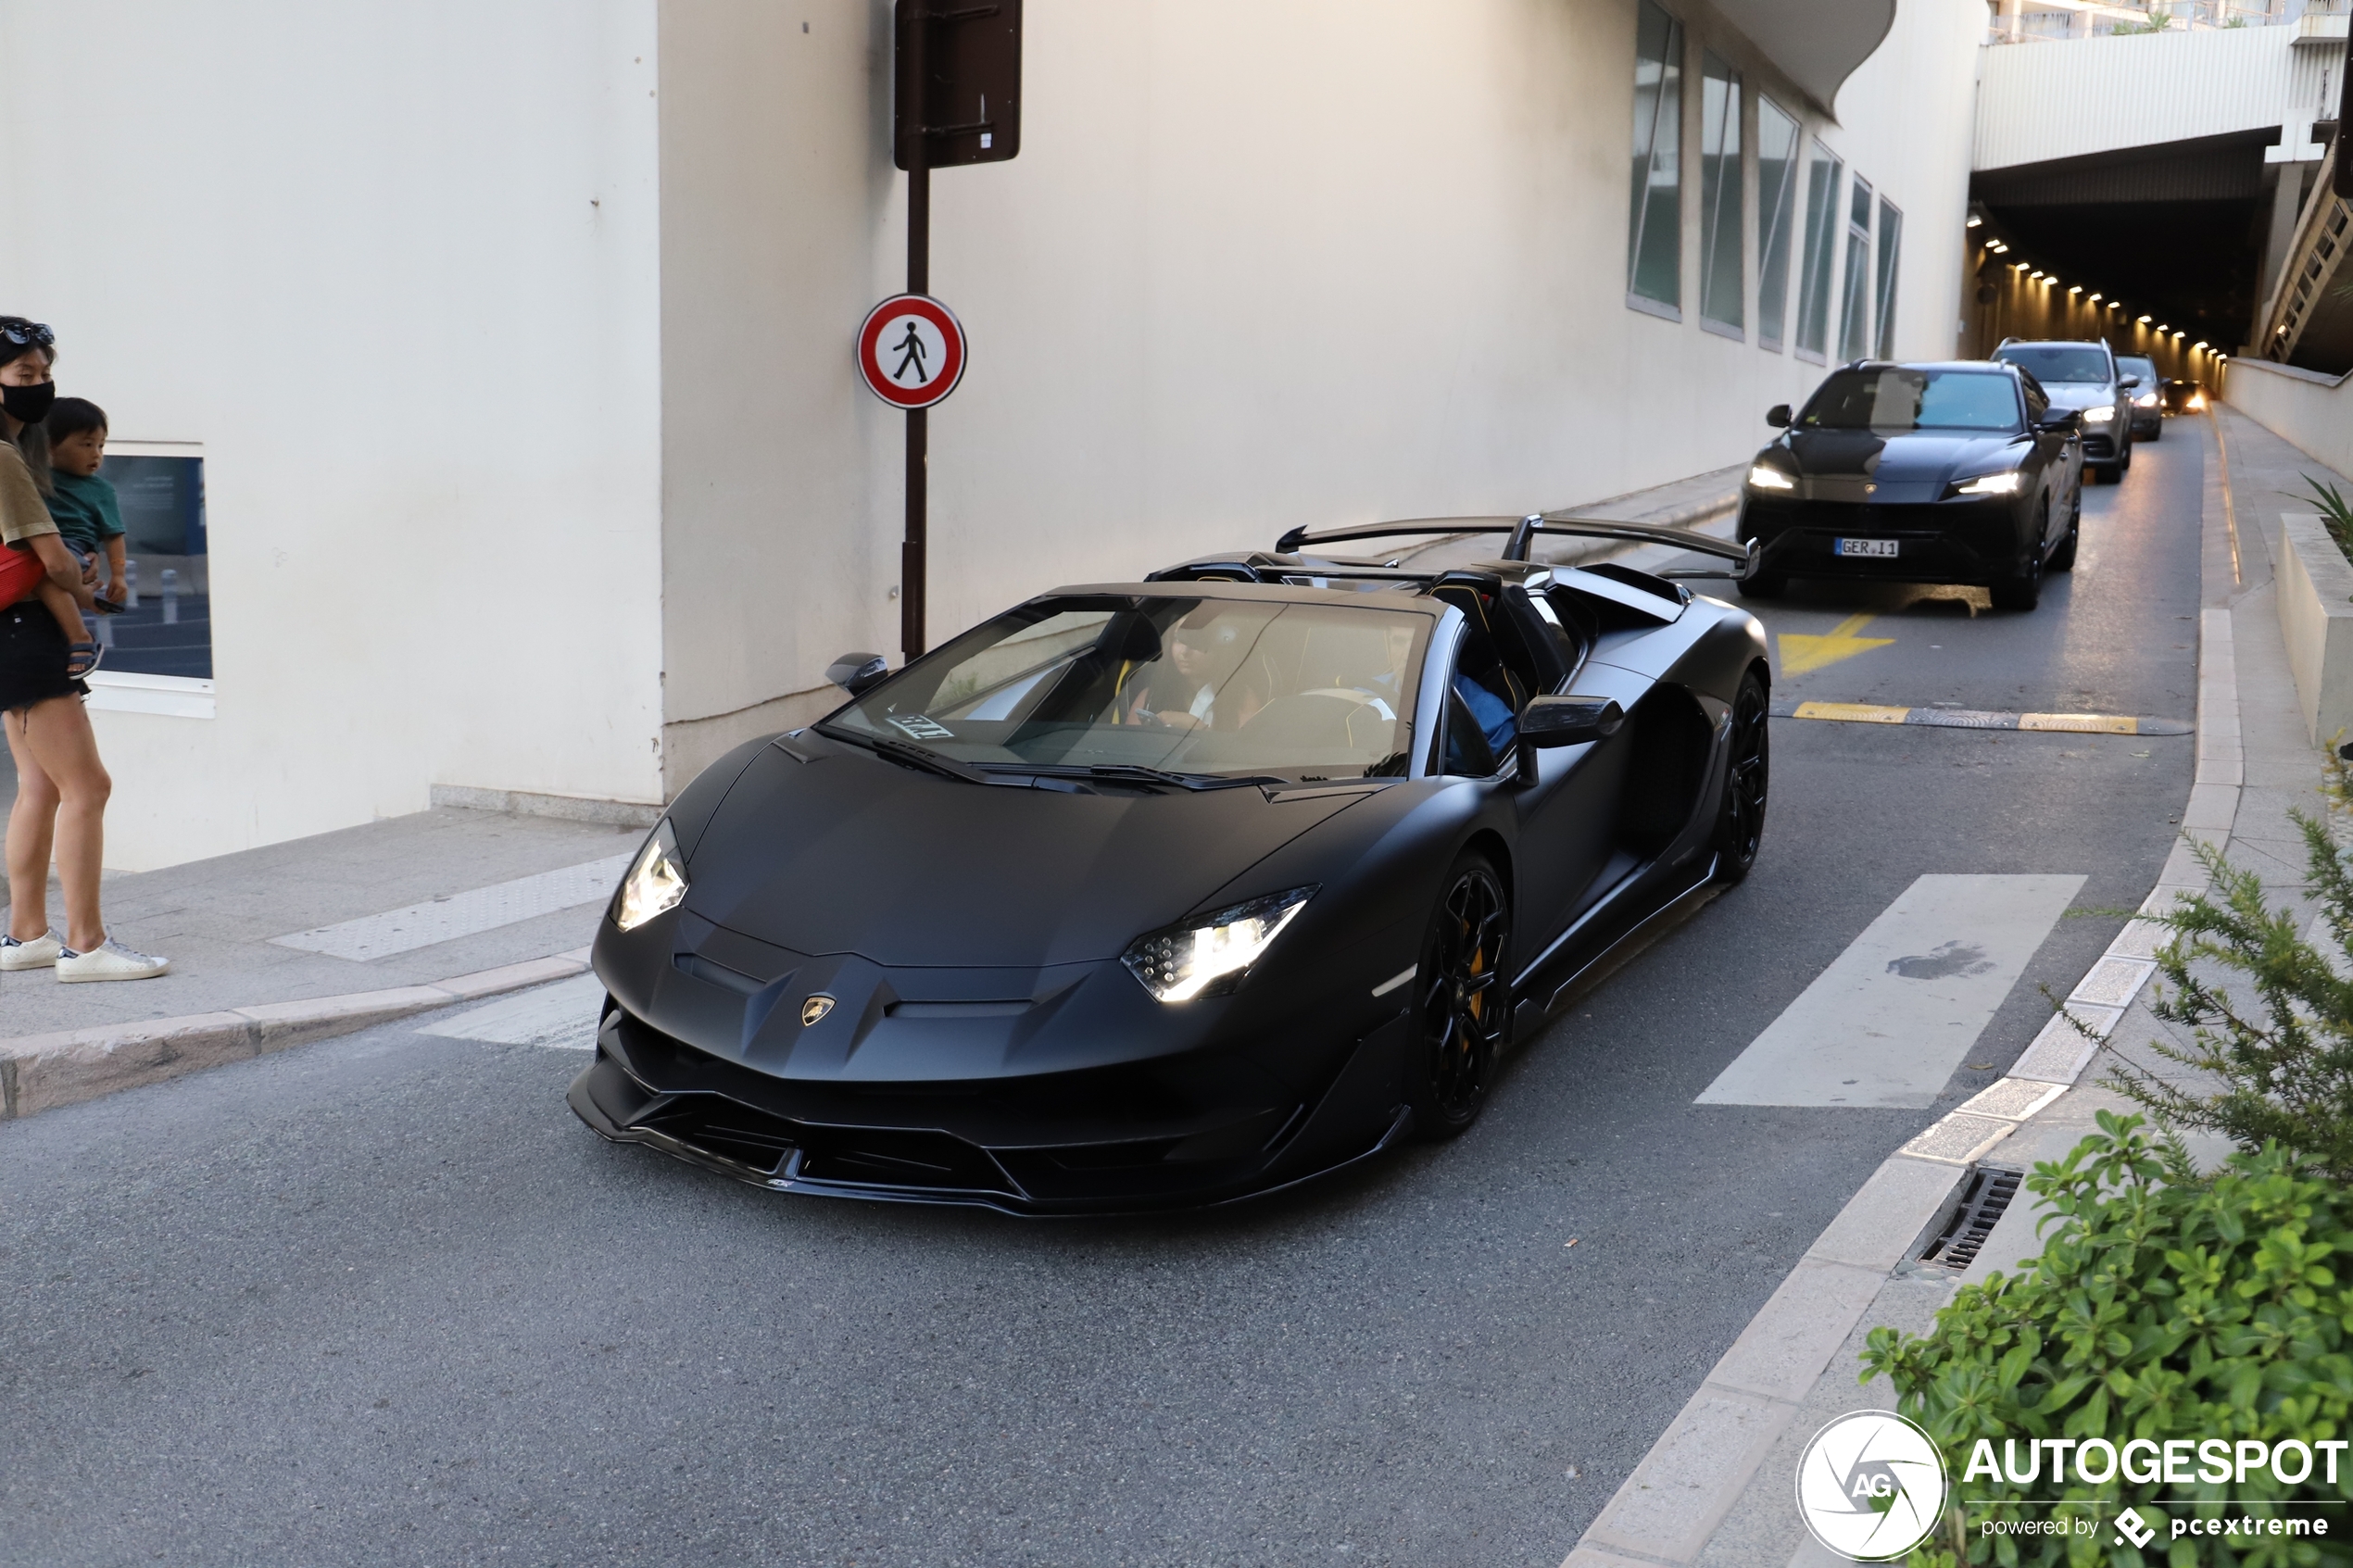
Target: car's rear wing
point(1522, 531)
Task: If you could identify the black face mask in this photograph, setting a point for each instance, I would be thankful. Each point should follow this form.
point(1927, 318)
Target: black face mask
point(30, 403)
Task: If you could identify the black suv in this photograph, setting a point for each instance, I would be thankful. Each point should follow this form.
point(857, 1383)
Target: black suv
point(2085, 376)
point(1960, 472)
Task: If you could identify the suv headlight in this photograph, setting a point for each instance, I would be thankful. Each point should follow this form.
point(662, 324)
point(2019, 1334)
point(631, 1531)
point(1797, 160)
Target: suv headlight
point(2146, 400)
point(2098, 416)
point(1765, 476)
point(1209, 957)
point(656, 881)
point(2003, 483)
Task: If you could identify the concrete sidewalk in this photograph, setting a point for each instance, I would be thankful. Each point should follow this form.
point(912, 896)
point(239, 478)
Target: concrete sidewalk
point(434, 891)
point(1718, 1488)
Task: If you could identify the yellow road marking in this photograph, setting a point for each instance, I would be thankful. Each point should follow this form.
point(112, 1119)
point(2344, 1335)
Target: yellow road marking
point(2081, 723)
point(1851, 712)
point(1802, 655)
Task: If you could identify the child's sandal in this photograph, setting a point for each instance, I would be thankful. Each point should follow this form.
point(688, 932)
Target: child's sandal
point(81, 659)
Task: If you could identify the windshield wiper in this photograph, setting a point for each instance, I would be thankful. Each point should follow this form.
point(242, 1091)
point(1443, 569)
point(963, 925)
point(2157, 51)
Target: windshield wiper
point(908, 755)
point(1136, 773)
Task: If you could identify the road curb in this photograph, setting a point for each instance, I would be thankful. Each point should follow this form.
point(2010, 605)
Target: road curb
point(44, 1072)
point(1669, 1507)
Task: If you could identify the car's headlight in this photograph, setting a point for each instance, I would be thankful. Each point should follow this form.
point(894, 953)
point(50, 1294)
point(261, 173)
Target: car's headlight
point(1991, 484)
point(1209, 957)
point(2100, 416)
point(2198, 400)
point(657, 880)
point(2146, 400)
point(1764, 476)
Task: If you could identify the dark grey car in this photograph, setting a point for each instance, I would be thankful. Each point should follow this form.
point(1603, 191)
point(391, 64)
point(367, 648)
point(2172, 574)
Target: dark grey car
point(2149, 412)
point(2085, 377)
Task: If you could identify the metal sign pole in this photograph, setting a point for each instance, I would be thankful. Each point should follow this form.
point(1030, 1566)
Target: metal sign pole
point(910, 554)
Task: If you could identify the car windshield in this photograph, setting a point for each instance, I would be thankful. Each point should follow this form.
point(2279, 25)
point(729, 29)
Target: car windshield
point(1181, 685)
point(1895, 399)
point(2144, 369)
point(2057, 362)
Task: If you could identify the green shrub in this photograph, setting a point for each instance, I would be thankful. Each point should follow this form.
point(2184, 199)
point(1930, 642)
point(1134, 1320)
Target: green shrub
point(2337, 513)
point(2162, 1306)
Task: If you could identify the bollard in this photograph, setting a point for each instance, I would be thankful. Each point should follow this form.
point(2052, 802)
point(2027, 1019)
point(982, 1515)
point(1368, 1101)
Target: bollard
point(170, 597)
point(130, 583)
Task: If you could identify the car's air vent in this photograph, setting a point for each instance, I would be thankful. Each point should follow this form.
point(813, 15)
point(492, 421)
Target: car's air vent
point(727, 1128)
point(1633, 578)
point(1985, 1197)
point(882, 1156)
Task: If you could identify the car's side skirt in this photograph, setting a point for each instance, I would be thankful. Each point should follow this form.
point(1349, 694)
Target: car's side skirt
point(1540, 994)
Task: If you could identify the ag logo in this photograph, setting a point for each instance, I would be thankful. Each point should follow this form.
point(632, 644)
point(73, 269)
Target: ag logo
point(814, 1008)
point(1870, 1486)
point(2130, 1526)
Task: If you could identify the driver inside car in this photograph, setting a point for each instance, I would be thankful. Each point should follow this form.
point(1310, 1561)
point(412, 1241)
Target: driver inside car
point(1180, 691)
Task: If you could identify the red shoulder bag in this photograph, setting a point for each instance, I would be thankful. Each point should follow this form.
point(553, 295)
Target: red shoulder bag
point(20, 574)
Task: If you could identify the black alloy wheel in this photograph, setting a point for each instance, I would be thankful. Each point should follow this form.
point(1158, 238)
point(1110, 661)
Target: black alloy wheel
point(1463, 1001)
point(2024, 591)
point(2124, 459)
point(1748, 778)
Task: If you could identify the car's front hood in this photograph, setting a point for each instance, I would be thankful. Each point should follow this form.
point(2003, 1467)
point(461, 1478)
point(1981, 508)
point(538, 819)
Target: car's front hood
point(2080, 394)
point(1853, 465)
point(850, 854)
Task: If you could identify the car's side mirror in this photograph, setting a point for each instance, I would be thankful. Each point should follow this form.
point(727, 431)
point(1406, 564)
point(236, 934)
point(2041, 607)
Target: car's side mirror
point(854, 673)
point(2127, 384)
point(1777, 416)
point(1563, 720)
point(2059, 419)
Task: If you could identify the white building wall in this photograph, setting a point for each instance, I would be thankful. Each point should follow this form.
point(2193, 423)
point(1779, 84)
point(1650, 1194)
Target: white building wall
point(395, 268)
point(1257, 265)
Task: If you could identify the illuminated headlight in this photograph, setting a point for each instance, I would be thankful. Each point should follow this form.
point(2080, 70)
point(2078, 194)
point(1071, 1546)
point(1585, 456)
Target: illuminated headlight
point(655, 883)
point(1210, 957)
point(1990, 484)
point(1764, 476)
point(2146, 400)
point(2198, 400)
point(2100, 416)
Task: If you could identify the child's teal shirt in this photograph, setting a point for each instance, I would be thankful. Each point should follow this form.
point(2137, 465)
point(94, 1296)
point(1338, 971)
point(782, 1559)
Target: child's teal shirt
point(84, 510)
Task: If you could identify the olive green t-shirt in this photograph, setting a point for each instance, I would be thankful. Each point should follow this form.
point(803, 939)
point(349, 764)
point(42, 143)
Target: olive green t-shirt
point(23, 514)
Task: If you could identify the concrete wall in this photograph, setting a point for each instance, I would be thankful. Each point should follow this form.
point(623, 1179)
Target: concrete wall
point(2309, 410)
point(393, 267)
point(1256, 266)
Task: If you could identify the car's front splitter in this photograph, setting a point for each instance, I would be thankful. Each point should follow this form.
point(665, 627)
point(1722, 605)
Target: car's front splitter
point(645, 1088)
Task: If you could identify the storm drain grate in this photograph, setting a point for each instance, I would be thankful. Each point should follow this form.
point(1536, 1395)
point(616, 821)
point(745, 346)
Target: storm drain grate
point(1984, 1200)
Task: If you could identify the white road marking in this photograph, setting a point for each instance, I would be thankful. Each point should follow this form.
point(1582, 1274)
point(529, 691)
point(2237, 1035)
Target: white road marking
point(1893, 1016)
point(1394, 981)
point(463, 914)
point(562, 1015)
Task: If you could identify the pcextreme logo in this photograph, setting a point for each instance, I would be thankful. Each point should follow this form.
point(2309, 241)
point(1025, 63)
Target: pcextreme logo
point(1870, 1486)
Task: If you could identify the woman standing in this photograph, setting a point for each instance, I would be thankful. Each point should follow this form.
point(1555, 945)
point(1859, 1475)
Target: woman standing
point(61, 785)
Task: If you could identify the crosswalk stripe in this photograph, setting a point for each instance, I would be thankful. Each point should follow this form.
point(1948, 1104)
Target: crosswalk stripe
point(462, 914)
point(562, 1015)
point(1895, 1014)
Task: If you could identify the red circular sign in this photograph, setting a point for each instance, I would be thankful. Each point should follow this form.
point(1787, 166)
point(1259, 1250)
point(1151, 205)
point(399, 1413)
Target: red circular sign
point(911, 351)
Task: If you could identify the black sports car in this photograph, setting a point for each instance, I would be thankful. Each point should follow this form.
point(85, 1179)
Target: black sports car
point(1165, 893)
point(1924, 473)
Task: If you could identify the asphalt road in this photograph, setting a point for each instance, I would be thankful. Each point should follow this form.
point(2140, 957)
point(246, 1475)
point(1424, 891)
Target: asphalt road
point(383, 1300)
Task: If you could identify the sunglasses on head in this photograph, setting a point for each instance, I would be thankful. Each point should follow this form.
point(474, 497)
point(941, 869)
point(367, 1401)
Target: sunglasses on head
point(23, 333)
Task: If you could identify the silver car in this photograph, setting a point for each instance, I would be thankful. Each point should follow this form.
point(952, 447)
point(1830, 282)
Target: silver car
point(2086, 377)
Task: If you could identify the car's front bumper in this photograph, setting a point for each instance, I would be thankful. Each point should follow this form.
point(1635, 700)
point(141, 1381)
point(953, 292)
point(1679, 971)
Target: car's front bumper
point(1958, 541)
point(1171, 1133)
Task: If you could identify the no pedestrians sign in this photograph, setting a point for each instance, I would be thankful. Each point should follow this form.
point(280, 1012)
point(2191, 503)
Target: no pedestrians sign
point(911, 351)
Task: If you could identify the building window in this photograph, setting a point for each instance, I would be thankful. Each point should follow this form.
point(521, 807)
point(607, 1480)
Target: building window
point(1822, 173)
point(169, 631)
point(1854, 299)
point(1891, 245)
point(1654, 242)
point(1776, 217)
point(1721, 278)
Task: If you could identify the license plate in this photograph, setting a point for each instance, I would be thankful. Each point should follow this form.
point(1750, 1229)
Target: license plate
point(1864, 546)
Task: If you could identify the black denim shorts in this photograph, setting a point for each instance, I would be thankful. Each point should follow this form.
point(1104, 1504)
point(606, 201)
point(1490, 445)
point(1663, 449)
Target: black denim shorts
point(33, 658)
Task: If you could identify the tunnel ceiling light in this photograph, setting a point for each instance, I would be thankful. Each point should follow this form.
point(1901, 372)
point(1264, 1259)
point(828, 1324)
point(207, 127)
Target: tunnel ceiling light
point(2077, 289)
point(2093, 300)
point(2018, 265)
point(2144, 320)
point(2199, 343)
point(1974, 220)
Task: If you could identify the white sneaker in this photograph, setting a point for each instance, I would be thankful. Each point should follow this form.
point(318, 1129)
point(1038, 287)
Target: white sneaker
point(110, 961)
point(39, 953)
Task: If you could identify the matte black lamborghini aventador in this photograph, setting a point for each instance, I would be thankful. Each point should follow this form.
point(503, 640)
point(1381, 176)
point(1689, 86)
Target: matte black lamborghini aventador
point(1165, 893)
